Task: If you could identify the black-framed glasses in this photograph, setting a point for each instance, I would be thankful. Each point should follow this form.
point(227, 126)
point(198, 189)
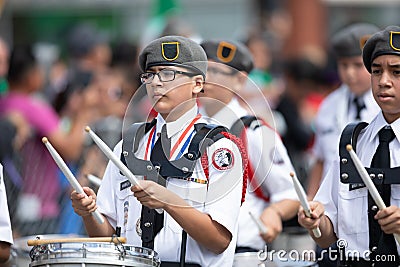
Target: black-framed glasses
point(165, 75)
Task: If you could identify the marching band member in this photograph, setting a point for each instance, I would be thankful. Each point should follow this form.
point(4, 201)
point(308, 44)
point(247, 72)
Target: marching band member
point(270, 193)
point(342, 208)
point(203, 199)
point(352, 101)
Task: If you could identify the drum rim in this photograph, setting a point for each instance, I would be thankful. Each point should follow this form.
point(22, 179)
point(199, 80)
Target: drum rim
point(104, 261)
point(89, 250)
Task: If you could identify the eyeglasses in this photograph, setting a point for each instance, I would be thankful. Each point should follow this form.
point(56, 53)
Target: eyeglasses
point(165, 75)
point(216, 71)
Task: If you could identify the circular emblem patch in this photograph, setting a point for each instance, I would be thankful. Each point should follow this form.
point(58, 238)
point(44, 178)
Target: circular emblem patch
point(222, 159)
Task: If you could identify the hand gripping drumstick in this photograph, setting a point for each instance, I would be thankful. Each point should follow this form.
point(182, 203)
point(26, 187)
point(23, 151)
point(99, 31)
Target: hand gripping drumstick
point(304, 203)
point(368, 182)
point(110, 154)
point(71, 178)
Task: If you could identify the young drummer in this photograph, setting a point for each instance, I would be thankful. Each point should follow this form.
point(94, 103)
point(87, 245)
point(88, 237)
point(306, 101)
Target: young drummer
point(270, 196)
point(204, 204)
point(343, 208)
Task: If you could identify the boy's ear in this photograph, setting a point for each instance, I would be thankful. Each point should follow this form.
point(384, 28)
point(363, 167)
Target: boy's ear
point(198, 84)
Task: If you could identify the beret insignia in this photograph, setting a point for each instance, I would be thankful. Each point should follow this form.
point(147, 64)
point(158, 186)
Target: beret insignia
point(363, 40)
point(170, 50)
point(226, 52)
point(222, 159)
point(395, 40)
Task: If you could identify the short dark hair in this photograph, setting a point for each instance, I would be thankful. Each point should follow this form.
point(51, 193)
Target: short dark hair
point(22, 61)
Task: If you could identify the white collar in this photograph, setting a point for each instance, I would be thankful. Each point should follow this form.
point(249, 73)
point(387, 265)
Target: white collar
point(230, 113)
point(379, 122)
point(174, 127)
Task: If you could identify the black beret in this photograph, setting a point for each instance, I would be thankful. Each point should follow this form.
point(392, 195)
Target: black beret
point(386, 42)
point(348, 41)
point(231, 53)
point(172, 51)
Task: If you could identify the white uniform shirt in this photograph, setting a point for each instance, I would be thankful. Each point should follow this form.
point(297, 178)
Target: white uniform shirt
point(270, 161)
point(5, 224)
point(220, 199)
point(335, 112)
point(348, 210)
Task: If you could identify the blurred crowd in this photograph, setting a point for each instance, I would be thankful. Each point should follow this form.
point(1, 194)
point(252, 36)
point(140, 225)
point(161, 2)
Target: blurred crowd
point(97, 84)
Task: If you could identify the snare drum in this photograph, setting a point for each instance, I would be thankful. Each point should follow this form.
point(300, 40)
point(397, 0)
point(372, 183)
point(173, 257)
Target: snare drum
point(20, 249)
point(90, 254)
point(251, 259)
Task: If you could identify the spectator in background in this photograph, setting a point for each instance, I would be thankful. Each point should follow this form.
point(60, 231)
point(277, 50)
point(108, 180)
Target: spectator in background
point(261, 47)
point(301, 78)
point(38, 207)
point(68, 103)
point(4, 58)
point(124, 64)
point(88, 48)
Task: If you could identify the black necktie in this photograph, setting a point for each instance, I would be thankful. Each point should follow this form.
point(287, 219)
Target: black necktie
point(381, 159)
point(162, 147)
point(151, 221)
point(359, 107)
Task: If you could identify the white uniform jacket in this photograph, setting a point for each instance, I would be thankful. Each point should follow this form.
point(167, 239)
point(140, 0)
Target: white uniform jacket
point(346, 209)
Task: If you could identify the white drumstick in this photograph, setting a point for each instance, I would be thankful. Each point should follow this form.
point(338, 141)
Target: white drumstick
point(71, 178)
point(261, 227)
point(303, 201)
point(368, 182)
point(94, 179)
point(110, 154)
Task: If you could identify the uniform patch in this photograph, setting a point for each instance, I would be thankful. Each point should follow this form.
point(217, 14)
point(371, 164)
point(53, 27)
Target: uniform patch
point(125, 184)
point(355, 186)
point(395, 40)
point(226, 52)
point(170, 50)
point(222, 159)
point(126, 210)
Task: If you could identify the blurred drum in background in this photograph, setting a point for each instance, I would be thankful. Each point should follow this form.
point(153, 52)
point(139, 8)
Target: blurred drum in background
point(252, 259)
point(90, 254)
point(20, 249)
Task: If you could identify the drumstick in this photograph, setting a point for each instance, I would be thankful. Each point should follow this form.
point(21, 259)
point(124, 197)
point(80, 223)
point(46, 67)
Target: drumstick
point(303, 201)
point(116, 240)
point(110, 154)
point(368, 182)
point(261, 227)
point(71, 178)
point(94, 179)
